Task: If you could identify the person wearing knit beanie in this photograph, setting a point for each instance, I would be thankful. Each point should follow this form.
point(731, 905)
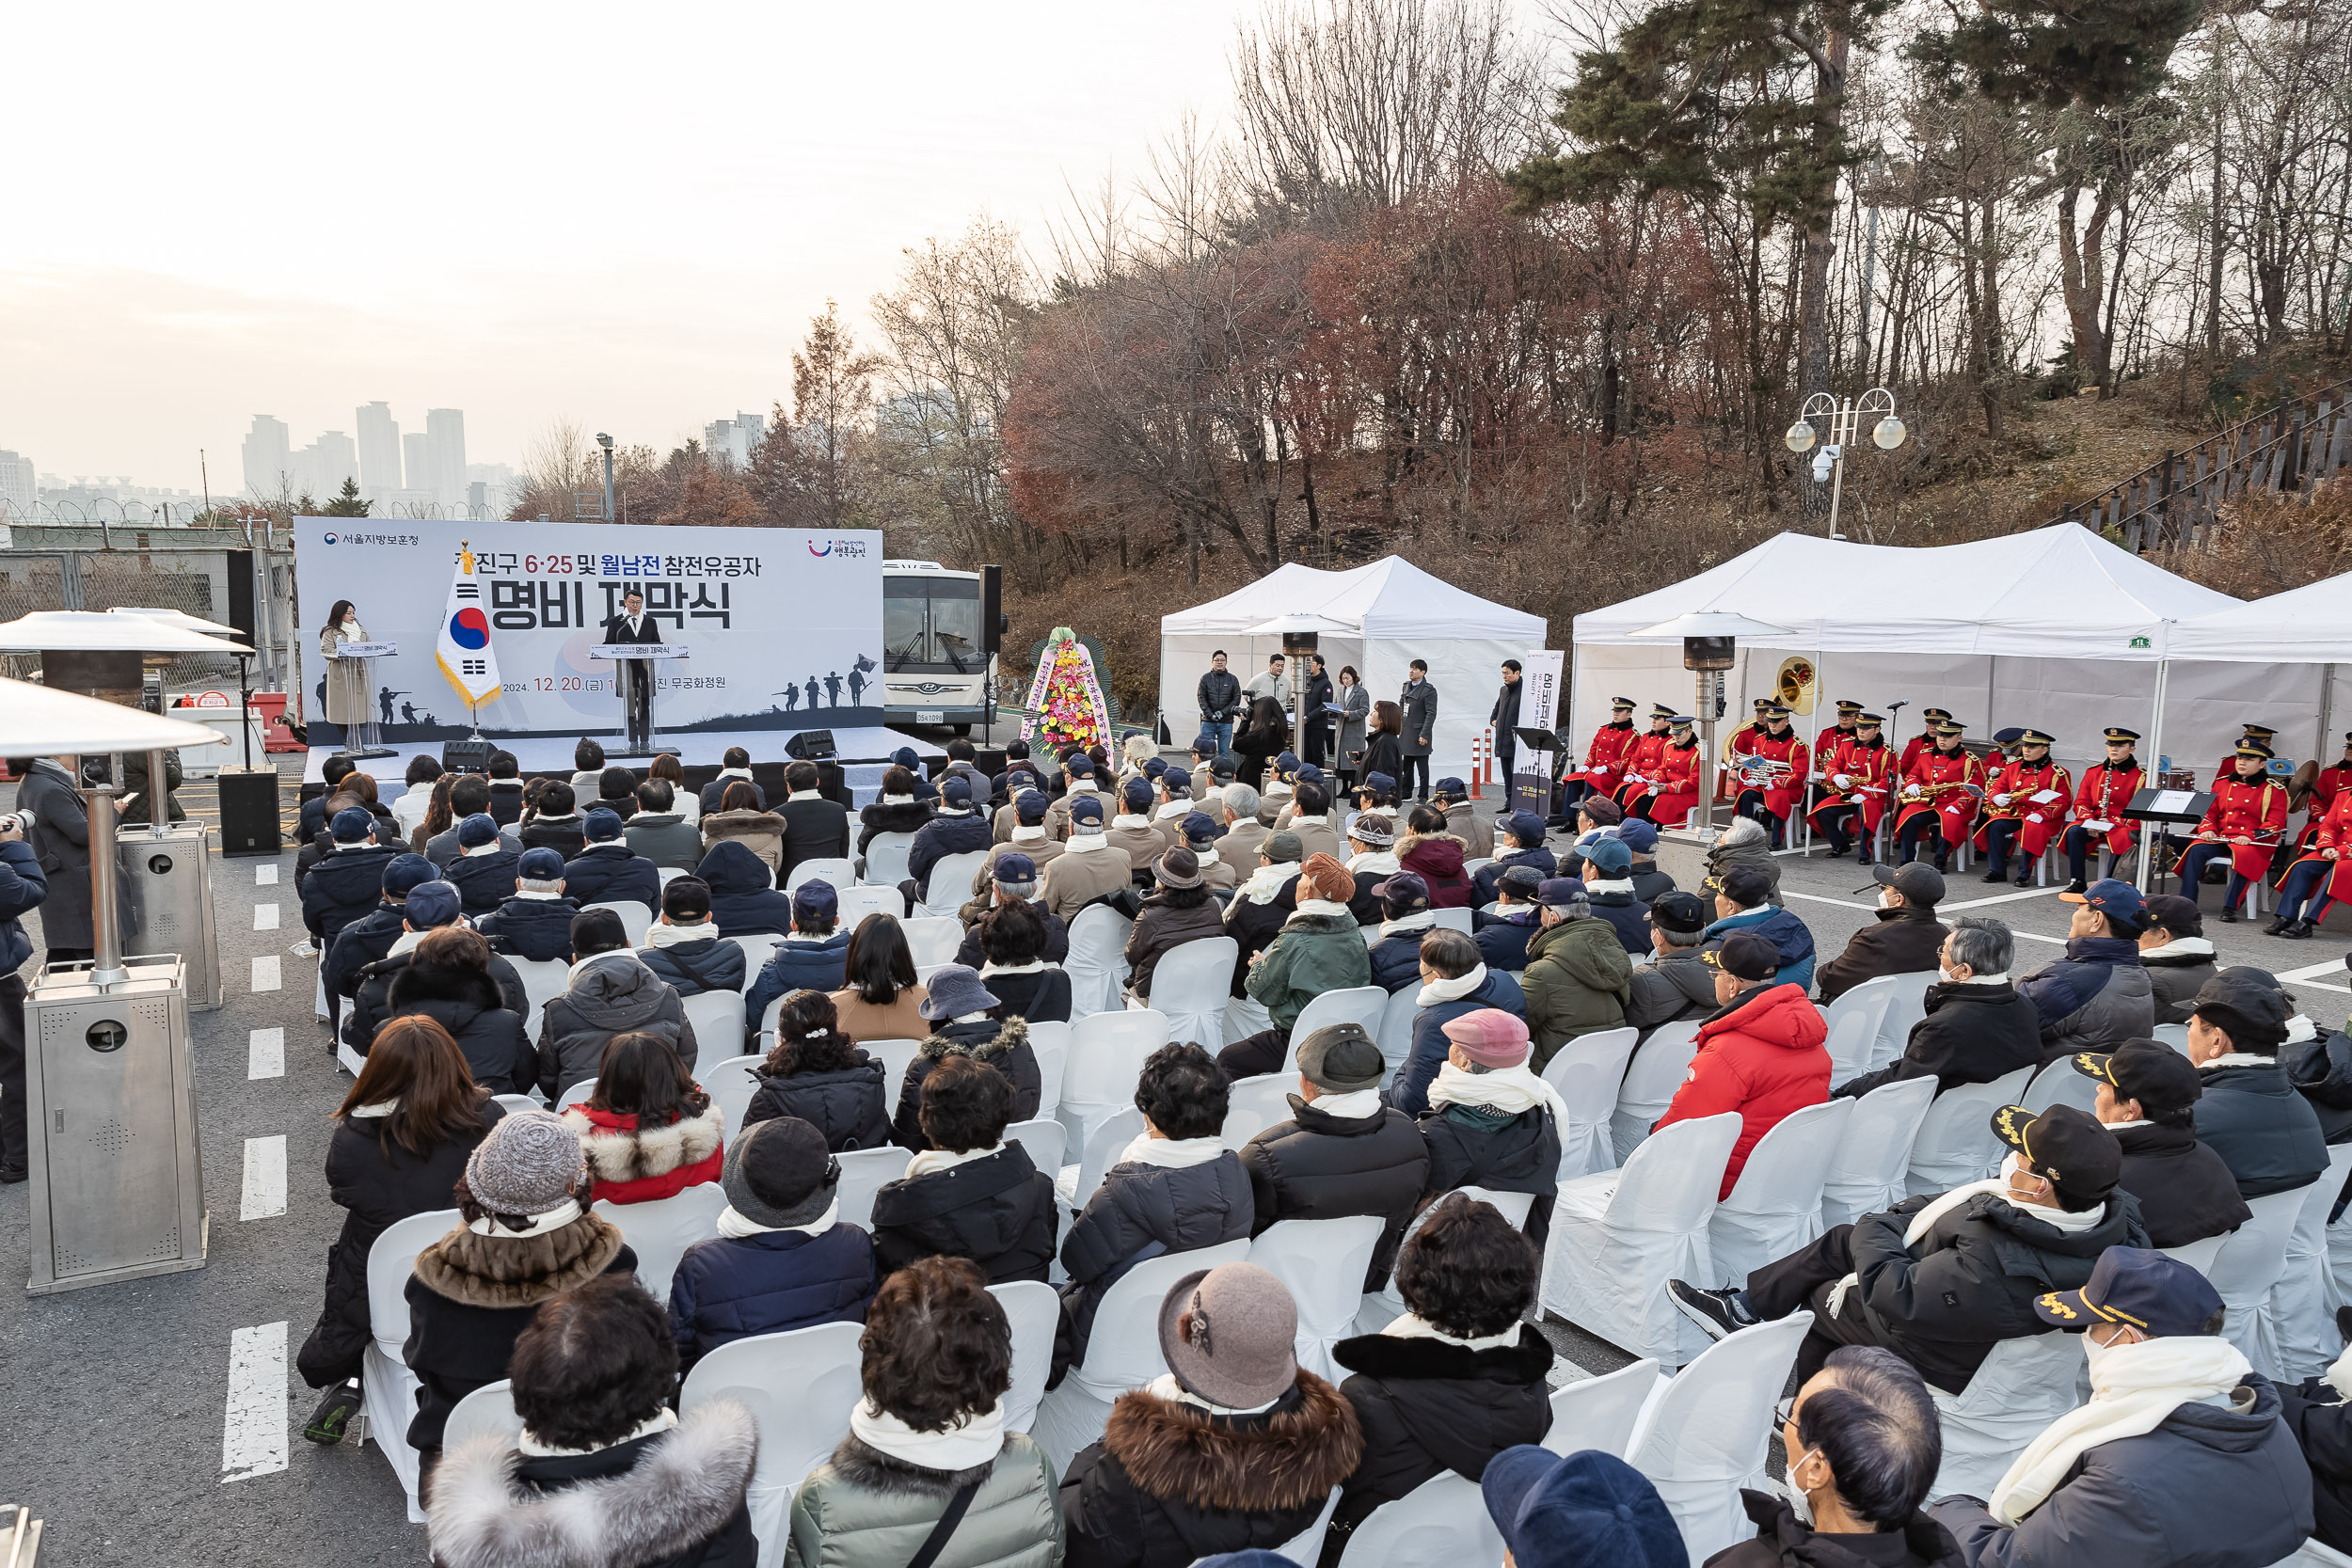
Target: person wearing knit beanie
point(1319, 948)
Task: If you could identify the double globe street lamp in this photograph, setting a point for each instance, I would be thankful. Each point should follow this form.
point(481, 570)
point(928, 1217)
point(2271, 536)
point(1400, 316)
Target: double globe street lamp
point(1844, 419)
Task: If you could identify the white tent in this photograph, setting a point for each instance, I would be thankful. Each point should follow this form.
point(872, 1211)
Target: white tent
point(2312, 627)
point(2055, 628)
point(1399, 614)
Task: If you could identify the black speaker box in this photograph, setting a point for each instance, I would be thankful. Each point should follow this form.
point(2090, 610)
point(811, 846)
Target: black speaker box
point(466, 756)
point(248, 812)
point(811, 746)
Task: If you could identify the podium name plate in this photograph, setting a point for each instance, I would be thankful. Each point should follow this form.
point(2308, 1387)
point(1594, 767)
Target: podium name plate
point(366, 650)
point(638, 650)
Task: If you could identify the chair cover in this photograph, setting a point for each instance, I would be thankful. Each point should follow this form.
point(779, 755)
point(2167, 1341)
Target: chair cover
point(1306, 1547)
point(896, 1056)
point(573, 1095)
point(1383, 1306)
point(543, 982)
point(1601, 1412)
point(660, 1231)
point(488, 1411)
point(2248, 1267)
point(1396, 1034)
point(2023, 1386)
point(1323, 1262)
point(636, 917)
point(1245, 1018)
point(800, 1388)
point(730, 1085)
point(1442, 1522)
point(757, 949)
point(886, 860)
point(2173, 1034)
point(1108, 1051)
point(1704, 1434)
point(1775, 1206)
point(1191, 987)
point(1044, 1139)
point(514, 1102)
point(2303, 1304)
point(1051, 1042)
point(1588, 1071)
point(1097, 963)
point(1867, 1168)
point(1618, 1236)
point(1256, 1103)
point(1907, 1006)
point(718, 1019)
point(1034, 1311)
point(1359, 1004)
point(863, 1173)
point(388, 1387)
point(1854, 1027)
point(2198, 1254)
point(852, 904)
point(2059, 1084)
point(951, 884)
point(931, 939)
point(1955, 1145)
point(835, 873)
point(1657, 1067)
point(1100, 1152)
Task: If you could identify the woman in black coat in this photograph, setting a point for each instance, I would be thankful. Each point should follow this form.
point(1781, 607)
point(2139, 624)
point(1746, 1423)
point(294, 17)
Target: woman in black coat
point(817, 1073)
point(449, 976)
point(896, 809)
point(401, 1138)
point(971, 1195)
point(1384, 750)
point(1267, 736)
point(1016, 973)
point(552, 821)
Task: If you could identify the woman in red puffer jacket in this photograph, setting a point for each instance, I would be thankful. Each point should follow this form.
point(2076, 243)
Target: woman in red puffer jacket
point(1436, 857)
point(648, 1131)
point(1761, 1054)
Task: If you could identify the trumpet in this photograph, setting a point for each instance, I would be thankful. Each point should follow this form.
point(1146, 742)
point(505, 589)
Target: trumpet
point(1759, 771)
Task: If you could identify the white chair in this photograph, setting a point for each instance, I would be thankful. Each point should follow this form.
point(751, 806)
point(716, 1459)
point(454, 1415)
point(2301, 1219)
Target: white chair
point(718, 1019)
point(835, 874)
point(668, 873)
point(886, 860)
point(1658, 1065)
point(1263, 1098)
point(1618, 1236)
point(1245, 1017)
point(487, 1411)
point(1588, 1071)
point(1359, 1004)
point(932, 940)
point(864, 1172)
point(1034, 1311)
point(1452, 920)
point(1907, 1006)
point(800, 1388)
point(543, 982)
point(2173, 1034)
point(1383, 1306)
point(1703, 1435)
point(757, 949)
point(514, 1102)
point(388, 1388)
point(854, 903)
point(1955, 1144)
point(1097, 962)
point(1867, 1168)
point(2059, 1084)
point(950, 883)
point(1775, 1206)
point(1044, 1139)
point(1191, 986)
point(2023, 1385)
point(731, 1084)
point(636, 916)
point(1854, 1027)
point(573, 1095)
point(1123, 1351)
point(2199, 1255)
point(2245, 1271)
point(1601, 1412)
point(1100, 1152)
point(1307, 1546)
point(1106, 1053)
point(1323, 1262)
point(1051, 1043)
point(1396, 1034)
point(2303, 1304)
point(660, 1231)
point(1442, 1522)
point(896, 1056)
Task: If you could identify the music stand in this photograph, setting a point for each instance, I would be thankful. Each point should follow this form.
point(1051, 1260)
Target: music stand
point(1539, 796)
point(2162, 805)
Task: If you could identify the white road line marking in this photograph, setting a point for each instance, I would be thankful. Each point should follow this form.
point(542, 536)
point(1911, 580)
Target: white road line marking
point(1817, 899)
point(266, 917)
point(2006, 897)
point(253, 1436)
point(265, 975)
point(2036, 936)
point(265, 1053)
point(2313, 973)
point(265, 1178)
point(265, 876)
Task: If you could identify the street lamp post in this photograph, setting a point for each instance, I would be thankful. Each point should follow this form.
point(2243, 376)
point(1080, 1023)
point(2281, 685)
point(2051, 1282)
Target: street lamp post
point(1844, 419)
point(606, 442)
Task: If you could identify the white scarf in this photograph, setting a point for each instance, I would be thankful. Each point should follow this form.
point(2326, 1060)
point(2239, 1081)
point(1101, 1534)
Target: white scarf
point(660, 934)
point(531, 1448)
point(735, 1226)
point(377, 1108)
point(554, 1219)
point(1170, 1153)
point(1165, 1387)
point(1412, 1327)
point(732, 773)
point(1512, 1090)
point(1323, 905)
point(1268, 880)
point(537, 898)
point(1026, 834)
point(1605, 884)
point(1034, 966)
point(2237, 1058)
point(1454, 989)
point(969, 1444)
point(490, 848)
point(1405, 924)
point(406, 943)
point(1300, 819)
point(933, 1161)
point(1375, 859)
point(896, 801)
point(1082, 839)
point(1354, 1105)
point(1128, 819)
point(2000, 979)
point(803, 795)
point(1174, 808)
point(2133, 1387)
point(2300, 1031)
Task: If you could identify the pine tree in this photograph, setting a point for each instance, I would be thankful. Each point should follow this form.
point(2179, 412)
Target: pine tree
point(347, 504)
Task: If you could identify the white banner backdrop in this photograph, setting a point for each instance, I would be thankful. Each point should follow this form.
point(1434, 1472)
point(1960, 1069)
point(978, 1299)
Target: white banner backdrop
point(785, 625)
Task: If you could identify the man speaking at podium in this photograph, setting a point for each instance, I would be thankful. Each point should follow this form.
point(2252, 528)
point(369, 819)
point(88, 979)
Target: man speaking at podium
point(634, 676)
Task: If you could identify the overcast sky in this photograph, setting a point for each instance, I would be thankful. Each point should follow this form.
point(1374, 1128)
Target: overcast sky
point(624, 214)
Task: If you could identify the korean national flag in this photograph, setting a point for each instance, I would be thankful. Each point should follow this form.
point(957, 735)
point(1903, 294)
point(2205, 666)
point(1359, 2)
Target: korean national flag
point(463, 648)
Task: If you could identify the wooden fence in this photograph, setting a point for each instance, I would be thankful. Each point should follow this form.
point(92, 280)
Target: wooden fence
point(2177, 502)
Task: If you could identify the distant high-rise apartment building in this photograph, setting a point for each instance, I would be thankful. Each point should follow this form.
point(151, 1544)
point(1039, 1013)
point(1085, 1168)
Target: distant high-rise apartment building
point(268, 452)
point(320, 468)
point(20, 485)
point(413, 458)
point(444, 471)
point(379, 450)
point(735, 438)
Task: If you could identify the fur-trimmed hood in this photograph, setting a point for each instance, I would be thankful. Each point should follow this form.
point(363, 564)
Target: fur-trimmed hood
point(1392, 1356)
point(685, 1486)
point(1287, 1457)
point(500, 1272)
point(412, 982)
point(620, 1151)
point(1011, 1035)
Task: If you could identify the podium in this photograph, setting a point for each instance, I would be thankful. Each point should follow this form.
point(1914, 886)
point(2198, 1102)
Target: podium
point(363, 654)
point(633, 683)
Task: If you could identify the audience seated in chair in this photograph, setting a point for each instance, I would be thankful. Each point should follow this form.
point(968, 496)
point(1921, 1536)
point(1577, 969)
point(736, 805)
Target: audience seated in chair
point(659, 832)
point(1503, 928)
point(967, 1020)
point(506, 789)
point(603, 1457)
point(363, 940)
point(1370, 859)
point(1318, 949)
point(783, 1258)
point(551, 818)
point(484, 866)
point(1519, 842)
point(1236, 806)
point(742, 900)
point(1435, 856)
point(1012, 879)
point(445, 971)
point(813, 956)
point(1492, 1122)
point(1978, 1028)
point(683, 946)
point(1760, 1055)
point(1460, 1377)
point(472, 796)
point(895, 810)
point(879, 999)
point(649, 1130)
point(818, 1074)
point(740, 818)
point(1678, 982)
point(1018, 968)
point(1649, 884)
point(1019, 828)
point(1743, 902)
point(1579, 976)
point(1201, 836)
point(734, 767)
point(1254, 915)
point(1453, 981)
point(348, 881)
point(608, 993)
point(959, 828)
point(1907, 938)
point(2250, 1115)
point(2147, 1098)
point(1091, 869)
point(1234, 1447)
point(1940, 1280)
point(2319, 1412)
point(608, 871)
point(1179, 910)
point(1608, 875)
point(616, 792)
point(2174, 951)
point(971, 1195)
point(535, 922)
point(1406, 923)
point(1134, 832)
point(2097, 996)
point(815, 828)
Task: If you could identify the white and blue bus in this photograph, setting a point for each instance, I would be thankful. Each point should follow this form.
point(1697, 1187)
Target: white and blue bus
point(934, 670)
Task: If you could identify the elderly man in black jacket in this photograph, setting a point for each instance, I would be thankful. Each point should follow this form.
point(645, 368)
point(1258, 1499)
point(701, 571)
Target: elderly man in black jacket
point(1344, 1150)
point(2250, 1115)
point(535, 923)
point(2147, 1096)
point(1907, 939)
point(958, 830)
point(1678, 982)
point(1977, 1026)
point(815, 828)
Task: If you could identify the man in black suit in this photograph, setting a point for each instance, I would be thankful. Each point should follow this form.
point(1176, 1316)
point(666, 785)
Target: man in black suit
point(815, 828)
point(634, 676)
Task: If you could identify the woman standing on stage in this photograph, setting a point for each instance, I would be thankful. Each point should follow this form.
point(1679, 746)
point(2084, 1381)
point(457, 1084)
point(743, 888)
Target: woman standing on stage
point(349, 702)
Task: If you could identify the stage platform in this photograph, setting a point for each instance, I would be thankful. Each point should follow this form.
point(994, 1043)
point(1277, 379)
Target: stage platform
point(864, 753)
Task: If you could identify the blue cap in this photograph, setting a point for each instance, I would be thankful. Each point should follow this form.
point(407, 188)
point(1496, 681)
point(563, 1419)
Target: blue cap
point(1137, 794)
point(407, 872)
point(352, 824)
point(1029, 806)
point(1204, 745)
point(2133, 1284)
point(1609, 856)
point(815, 899)
point(1086, 808)
point(2109, 896)
point(1287, 762)
point(904, 756)
point(1079, 767)
point(1570, 1511)
point(1639, 833)
point(1381, 784)
point(1402, 894)
point(1153, 767)
point(1177, 784)
point(432, 904)
point(542, 865)
point(1450, 788)
point(1201, 828)
point(1015, 868)
point(478, 830)
point(1526, 827)
point(1309, 773)
point(1560, 893)
point(956, 790)
point(603, 826)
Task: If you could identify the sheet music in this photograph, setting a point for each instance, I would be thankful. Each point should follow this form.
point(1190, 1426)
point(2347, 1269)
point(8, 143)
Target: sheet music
point(2173, 800)
point(2044, 797)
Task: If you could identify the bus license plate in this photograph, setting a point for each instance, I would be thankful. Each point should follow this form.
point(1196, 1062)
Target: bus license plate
point(930, 715)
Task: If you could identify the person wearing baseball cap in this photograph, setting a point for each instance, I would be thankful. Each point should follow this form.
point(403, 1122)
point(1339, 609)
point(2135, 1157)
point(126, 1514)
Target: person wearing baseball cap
point(1906, 938)
point(535, 921)
point(2174, 950)
point(1090, 867)
point(1406, 919)
point(1608, 875)
point(1743, 902)
point(1343, 1151)
point(485, 867)
point(2250, 1113)
point(1505, 927)
point(368, 938)
point(1318, 948)
point(343, 884)
point(1976, 1028)
point(959, 828)
point(1013, 880)
point(1453, 981)
point(1641, 837)
point(1308, 815)
point(1761, 1055)
point(1578, 973)
point(2147, 1097)
point(813, 956)
point(1585, 1509)
point(1020, 828)
point(2245, 823)
point(606, 870)
point(1519, 842)
point(1678, 982)
point(1941, 1281)
point(1133, 829)
point(1604, 757)
point(1463, 818)
point(2098, 995)
point(2180, 1456)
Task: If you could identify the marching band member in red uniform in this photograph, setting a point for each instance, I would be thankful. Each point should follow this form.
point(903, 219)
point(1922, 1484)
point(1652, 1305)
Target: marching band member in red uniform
point(1772, 796)
point(1825, 744)
point(1739, 743)
point(1923, 741)
point(1673, 788)
point(1604, 757)
point(1940, 791)
point(2015, 812)
point(2099, 808)
point(2331, 783)
point(2261, 734)
point(1854, 782)
point(1641, 762)
point(2322, 871)
point(2247, 815)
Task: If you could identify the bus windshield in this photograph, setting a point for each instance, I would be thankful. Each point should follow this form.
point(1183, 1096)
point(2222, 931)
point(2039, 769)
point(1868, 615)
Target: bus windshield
point(931, 624)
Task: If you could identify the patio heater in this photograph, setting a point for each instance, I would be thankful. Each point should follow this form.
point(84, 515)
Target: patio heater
point(1710, 647)
point(1301, 634)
